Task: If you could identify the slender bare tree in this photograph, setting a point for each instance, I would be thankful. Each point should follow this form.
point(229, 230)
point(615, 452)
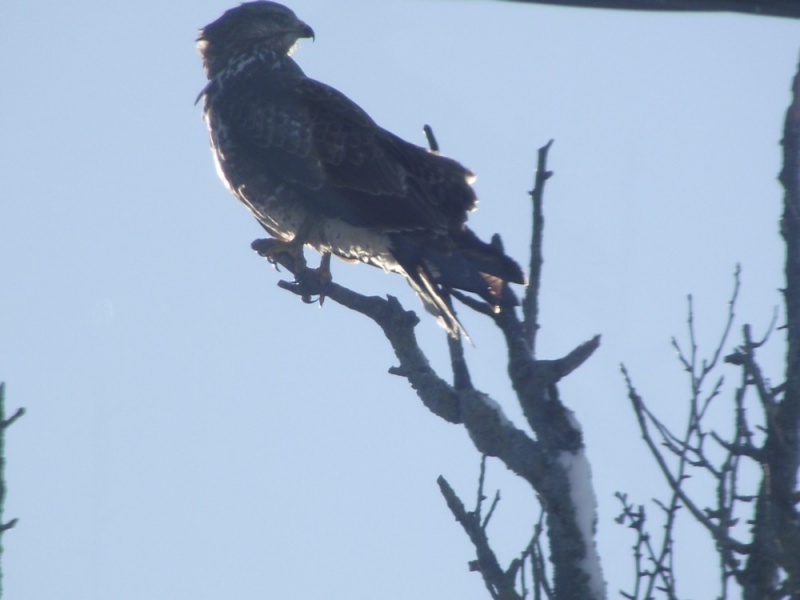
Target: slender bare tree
point(761, 560)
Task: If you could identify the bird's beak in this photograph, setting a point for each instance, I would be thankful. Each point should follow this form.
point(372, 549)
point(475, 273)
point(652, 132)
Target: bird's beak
point(304, 31)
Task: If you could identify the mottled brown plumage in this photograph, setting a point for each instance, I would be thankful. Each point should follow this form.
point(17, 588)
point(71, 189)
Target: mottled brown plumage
point(315, 169)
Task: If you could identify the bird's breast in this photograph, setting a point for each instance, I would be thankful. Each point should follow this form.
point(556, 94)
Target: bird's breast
point(353, 243)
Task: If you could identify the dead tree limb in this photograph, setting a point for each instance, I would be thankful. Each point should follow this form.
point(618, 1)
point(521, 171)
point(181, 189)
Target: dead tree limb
point(769, 8)
point(530, 302)
point(553, 463)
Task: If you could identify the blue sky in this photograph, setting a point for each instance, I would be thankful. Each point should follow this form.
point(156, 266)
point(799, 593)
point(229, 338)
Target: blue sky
point(194, 431)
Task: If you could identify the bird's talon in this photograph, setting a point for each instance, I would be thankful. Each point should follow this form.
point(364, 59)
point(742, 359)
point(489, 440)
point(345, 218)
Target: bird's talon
point(277, 252)
point(315, 281)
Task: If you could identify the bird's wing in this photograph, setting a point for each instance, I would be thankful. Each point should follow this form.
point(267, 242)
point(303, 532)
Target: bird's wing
point(315, 138)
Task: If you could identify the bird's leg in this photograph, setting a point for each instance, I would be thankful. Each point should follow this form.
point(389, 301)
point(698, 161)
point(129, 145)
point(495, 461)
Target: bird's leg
point(313, 282)
point(289, 254)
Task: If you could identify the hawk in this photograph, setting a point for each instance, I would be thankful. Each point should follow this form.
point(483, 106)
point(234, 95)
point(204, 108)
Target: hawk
point(315, 170)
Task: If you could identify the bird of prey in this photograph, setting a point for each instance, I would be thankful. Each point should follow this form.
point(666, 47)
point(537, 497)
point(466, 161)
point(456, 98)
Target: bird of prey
point(315, 170)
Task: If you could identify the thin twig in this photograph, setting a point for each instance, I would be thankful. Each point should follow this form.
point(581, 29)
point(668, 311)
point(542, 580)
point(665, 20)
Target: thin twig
point(530, 303)
point(491, 509)
point(458, 362)
point(433, 145)
point(481, 479)
point(731, 316)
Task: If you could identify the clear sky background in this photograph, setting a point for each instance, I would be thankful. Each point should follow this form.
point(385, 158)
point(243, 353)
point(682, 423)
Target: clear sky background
point(195, 432)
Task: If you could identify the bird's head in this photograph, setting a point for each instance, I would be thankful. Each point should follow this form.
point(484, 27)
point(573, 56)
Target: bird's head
point(259, 24)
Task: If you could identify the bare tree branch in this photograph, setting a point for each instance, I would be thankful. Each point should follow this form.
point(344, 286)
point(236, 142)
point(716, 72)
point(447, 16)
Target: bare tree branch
point(489, 428)
point(719, 534)
point(652, 567)
point(498, 582)
point(530, 303)
point(461, 377)
point(773, 8)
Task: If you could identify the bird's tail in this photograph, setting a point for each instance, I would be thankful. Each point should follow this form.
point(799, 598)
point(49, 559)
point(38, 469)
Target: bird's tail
point(464, 262)
point(435, 299)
